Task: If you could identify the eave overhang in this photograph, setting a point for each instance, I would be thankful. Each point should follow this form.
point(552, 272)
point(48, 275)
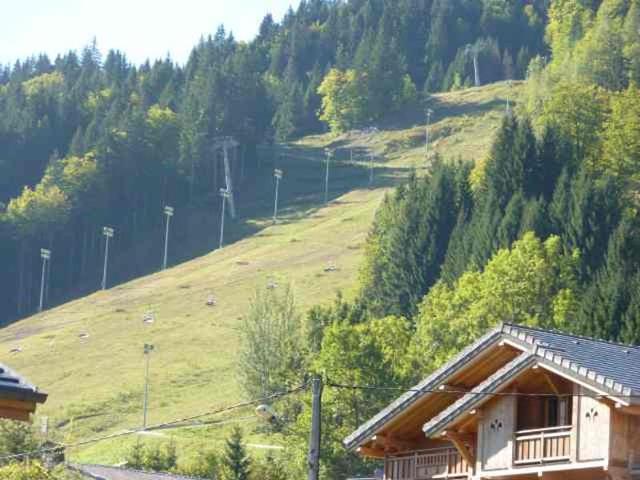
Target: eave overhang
point(478, 395)
point(421, 391)
point(16, 388)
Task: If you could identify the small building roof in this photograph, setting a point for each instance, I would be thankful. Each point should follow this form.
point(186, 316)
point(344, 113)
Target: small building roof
point(16, 387)
point(607, 367)
point(103, 472)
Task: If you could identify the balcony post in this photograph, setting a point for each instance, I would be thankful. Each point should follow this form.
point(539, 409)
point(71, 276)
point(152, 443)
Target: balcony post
point(575, 415)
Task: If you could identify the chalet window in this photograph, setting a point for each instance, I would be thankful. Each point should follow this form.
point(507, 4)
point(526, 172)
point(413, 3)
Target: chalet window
point(564, 411)
point(557, 411)
point(551, 408)
point(542, 412)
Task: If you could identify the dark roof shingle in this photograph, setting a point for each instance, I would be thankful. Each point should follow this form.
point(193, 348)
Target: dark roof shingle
point(611, 366)
point(102, 472)
point(16, 387)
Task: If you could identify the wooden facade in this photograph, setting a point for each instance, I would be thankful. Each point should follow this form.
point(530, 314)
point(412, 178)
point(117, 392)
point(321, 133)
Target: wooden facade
point(510, 414)
point(18, 398)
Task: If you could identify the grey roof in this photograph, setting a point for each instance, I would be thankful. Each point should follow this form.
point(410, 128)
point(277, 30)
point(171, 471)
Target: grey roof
point(103, 472)
point(16, 387)
point(408, 398)
point(610, 367)
point(476, 396)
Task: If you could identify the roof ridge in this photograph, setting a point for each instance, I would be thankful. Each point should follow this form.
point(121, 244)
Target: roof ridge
point(571, 335)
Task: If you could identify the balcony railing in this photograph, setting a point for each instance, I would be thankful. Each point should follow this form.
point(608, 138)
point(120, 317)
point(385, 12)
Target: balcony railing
point(543, 445)
point(427, 464)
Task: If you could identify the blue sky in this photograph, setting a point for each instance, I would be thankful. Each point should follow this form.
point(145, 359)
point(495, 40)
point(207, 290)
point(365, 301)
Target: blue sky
point(140, 28)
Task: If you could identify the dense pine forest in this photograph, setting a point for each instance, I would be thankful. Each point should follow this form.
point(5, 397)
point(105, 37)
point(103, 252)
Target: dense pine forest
point(87, 140)
point(545, 231)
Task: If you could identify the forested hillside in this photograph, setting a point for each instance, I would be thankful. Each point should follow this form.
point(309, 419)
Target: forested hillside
point(545, 231)
point(87, 141)
point(301, 261)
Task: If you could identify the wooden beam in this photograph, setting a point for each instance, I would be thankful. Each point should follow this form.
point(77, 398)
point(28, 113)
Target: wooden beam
point(458, 441)
point(474, 416)
point(392, 443)
point(551, 383)
point(18, 405)
point(370, 452)
point(453, 388)
point(14, 414)
point(631, 410)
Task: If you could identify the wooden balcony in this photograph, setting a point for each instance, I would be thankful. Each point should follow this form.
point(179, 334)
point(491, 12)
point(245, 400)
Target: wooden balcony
point(543, 445)
point(426, 464)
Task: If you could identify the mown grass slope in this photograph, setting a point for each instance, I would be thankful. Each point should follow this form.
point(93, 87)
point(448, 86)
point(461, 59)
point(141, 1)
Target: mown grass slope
point(87, 354)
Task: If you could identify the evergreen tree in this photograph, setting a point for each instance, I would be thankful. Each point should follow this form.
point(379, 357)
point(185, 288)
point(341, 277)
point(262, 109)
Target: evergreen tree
point(630, 332)
point(504, 170)
point(408, 243)
point(552, 155)
point(236, 463)
point(135, 456)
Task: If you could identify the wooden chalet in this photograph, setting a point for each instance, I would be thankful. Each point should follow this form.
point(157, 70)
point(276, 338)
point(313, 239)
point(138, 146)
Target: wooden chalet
point(520, 403)
point(18, 398)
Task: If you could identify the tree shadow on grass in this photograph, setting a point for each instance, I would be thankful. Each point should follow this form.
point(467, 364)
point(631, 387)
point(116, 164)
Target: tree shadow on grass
point(301, 195)
point(416, 117)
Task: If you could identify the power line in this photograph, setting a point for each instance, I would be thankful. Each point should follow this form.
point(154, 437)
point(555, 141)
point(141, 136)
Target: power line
point(447, 391)
point(158, 426)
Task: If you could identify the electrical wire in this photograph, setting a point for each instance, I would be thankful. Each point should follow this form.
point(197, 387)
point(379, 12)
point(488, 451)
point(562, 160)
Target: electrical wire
point(158, 426)
point(488, 393)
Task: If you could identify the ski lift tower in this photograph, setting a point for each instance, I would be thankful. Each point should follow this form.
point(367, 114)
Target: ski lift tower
point(225, 143)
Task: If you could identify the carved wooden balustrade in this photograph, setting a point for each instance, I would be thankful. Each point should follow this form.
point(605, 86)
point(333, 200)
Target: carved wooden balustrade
point(426, 464)
point(542, 445)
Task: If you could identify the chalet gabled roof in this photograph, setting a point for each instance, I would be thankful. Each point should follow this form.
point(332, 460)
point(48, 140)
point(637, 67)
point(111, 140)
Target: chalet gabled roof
point(608, 367)
point(369, 428)
point(477, 396)
point(16, 387)
point(611, 367)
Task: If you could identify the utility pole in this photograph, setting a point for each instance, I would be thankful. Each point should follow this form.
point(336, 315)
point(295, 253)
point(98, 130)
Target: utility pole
point(224, 193)
point(329, 154)
point(476, 68)
point(45, 255)
point(225, 143)
point(277, 173)
point(148, 348)
point(426, 133)
point(108, 233)
point(510, 86)
point(168, 211)
point(315, 436)
point(370, 169)
point(473, 50)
